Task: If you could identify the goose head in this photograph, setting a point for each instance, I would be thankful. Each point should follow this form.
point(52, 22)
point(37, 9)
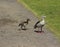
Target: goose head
point(43, 17)
point(28, 19)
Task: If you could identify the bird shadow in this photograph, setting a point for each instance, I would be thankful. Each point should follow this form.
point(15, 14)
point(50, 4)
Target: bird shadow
point(39, 31)
point(22, 29)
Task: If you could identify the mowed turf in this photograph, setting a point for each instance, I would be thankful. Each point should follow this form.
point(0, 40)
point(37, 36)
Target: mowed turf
point(49, 8)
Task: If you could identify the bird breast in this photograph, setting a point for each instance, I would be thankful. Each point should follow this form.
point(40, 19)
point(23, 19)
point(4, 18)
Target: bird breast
point(41, 23)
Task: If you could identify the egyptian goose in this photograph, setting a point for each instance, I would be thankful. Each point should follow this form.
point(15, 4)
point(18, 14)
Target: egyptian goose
point(40, 24)
point(23, 24)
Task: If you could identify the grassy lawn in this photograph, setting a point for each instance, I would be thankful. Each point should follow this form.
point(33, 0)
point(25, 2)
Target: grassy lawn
point(49, 8)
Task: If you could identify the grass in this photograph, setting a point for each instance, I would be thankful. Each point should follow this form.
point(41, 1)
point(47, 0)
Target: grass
point(49, 8)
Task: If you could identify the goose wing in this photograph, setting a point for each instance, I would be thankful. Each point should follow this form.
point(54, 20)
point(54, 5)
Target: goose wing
point(36, 24)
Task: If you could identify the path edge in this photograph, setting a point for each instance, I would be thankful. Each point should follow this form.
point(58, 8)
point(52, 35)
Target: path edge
point(36, 15)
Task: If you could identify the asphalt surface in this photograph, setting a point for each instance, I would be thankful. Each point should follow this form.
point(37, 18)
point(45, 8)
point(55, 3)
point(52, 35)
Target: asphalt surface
point(11, 14)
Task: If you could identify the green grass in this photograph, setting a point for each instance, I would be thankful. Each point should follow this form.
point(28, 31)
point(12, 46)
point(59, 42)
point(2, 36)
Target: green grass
point(49, 8)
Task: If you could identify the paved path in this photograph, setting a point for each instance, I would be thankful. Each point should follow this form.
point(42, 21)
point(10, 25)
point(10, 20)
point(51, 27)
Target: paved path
point(11, 14)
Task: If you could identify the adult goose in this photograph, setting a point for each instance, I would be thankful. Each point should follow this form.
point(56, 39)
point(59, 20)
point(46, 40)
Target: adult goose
point(23, 24)
point(39, 24)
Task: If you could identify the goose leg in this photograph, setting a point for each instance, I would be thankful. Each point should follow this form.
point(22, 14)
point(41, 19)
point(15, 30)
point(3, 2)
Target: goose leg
point(21, 27)
point(41, 29)
point(38, 29)
point(24, 28)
